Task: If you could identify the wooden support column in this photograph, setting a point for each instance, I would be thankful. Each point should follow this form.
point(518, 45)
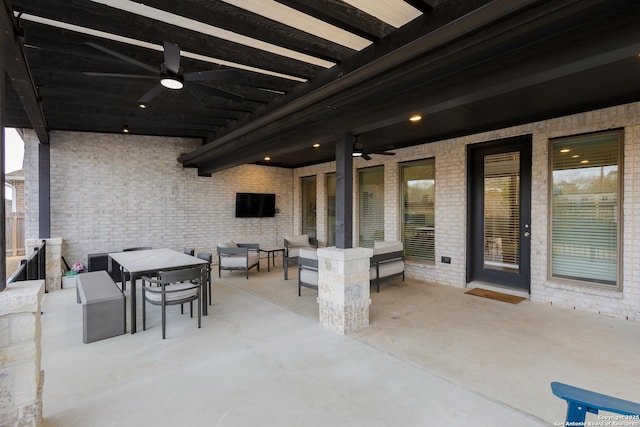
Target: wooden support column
point(344, 191)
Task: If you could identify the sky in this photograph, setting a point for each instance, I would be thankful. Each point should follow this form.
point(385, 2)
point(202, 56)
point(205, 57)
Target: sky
point(14, 151)
point(13, 154)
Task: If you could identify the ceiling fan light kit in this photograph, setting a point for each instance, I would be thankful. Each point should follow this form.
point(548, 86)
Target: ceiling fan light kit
point(171, 83)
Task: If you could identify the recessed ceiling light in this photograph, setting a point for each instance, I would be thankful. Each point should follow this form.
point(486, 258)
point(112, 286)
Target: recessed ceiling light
point(316, 145)
point(575, 156)
point(584, 161)
point(565, 150)
point(415, 118)
point(142, 105)
point(125, 129)
point(266, 159)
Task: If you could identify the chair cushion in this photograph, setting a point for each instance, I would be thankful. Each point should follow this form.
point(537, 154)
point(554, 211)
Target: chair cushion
point(295, 252)
point(240, 261)
point(386, 247)
point(233, 261)
point(387, 269)
point(309, 276)
point(179, 291)
point(301, 240)
point(308, 253)
point(228, 244)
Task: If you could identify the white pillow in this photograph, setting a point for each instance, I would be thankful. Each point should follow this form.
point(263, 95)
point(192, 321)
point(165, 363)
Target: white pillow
point(228, 244)
point(302, 240)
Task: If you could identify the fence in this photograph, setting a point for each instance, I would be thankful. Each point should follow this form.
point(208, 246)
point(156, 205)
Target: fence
point(14, 227)
point(32, 268)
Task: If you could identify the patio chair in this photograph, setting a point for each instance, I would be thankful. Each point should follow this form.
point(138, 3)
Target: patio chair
point(207, 256)
point(238, 256)
point(292, 246)
point(387, 261)
point(174, 287)
point(137, 248)
point(189, 251)
point(307, 269)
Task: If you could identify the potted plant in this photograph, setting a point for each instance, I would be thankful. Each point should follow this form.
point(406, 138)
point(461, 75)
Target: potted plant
point(69, 279)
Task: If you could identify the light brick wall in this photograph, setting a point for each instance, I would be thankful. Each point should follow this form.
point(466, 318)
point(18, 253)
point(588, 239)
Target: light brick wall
point(105, 188)
point(109, 192)
point(451, 207)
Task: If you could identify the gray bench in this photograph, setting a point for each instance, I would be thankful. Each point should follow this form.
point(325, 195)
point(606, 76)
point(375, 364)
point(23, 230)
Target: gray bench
point(103, 306)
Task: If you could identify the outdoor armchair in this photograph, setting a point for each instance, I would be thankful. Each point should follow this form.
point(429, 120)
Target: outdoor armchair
point(238, 256)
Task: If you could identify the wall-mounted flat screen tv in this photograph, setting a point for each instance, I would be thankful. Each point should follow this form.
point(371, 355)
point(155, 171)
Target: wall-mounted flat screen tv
point(255, 205)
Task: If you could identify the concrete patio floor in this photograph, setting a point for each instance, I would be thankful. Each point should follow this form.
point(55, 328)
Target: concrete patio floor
point(432, 356)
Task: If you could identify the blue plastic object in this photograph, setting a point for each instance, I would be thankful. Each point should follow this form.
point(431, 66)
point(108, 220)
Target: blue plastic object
point(581, 401)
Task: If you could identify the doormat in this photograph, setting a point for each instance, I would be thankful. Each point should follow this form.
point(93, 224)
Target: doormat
point(484, 293)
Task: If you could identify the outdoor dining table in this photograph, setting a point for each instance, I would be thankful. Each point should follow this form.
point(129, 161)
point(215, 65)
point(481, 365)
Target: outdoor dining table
point(149, 261)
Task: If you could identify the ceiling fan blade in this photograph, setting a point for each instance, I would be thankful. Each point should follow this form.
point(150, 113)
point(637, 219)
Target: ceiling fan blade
point(147, 97)
point(384, 153)
point(124, 58)
point(130, 76)
point(193, 95)
point(172, 57)
point(221, 92)
point(366, 156)
point(212, 75)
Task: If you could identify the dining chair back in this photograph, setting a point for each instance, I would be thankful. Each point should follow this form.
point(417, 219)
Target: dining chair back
point(175, 287)
point(207, 256)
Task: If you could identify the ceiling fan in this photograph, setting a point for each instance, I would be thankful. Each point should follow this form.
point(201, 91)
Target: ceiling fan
point(359, 151)
point(170, 74)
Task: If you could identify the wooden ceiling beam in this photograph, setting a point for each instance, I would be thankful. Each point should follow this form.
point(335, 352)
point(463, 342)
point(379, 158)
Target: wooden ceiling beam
point(16, 67)
point(344, 16)
point(111, 20)
point(226, 16)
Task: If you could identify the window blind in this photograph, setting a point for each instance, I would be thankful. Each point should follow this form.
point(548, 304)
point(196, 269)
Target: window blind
point(585, 208)
point(502, 211)
point(371, 206)
point(418, 209)
point(308, 185)
point(331, 209)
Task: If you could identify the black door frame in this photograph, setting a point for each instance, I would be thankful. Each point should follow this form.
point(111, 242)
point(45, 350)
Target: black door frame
point(475, 223)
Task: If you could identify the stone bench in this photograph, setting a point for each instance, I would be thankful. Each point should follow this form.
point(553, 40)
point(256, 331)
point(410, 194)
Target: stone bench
point(103, 306)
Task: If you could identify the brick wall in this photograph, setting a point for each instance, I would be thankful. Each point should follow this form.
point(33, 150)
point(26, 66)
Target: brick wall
point(113, 191)
point(109, 192)
point(451, 207)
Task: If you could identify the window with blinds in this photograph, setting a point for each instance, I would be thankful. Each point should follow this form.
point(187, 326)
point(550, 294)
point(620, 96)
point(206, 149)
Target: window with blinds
point(418, 209)
point(331, 209)
point(586, 188)
point(502, 211)
point(371, 206)
point(308, 185)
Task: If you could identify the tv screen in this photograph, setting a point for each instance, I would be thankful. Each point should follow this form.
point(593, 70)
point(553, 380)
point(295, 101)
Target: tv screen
point(255, 205)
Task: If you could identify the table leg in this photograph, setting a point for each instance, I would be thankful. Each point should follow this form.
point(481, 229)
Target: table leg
point(204, 292)
point(132, 296)
point(269, 261)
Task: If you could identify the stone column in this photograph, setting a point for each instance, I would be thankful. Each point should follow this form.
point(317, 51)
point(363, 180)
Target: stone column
point(53, 275)
point(343, 288)
point(21, 377)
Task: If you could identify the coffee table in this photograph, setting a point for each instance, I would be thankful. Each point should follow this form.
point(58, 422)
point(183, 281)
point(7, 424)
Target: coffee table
point(271, 254)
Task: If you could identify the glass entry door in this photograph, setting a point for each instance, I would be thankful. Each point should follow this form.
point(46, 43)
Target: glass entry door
point(499, 214)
